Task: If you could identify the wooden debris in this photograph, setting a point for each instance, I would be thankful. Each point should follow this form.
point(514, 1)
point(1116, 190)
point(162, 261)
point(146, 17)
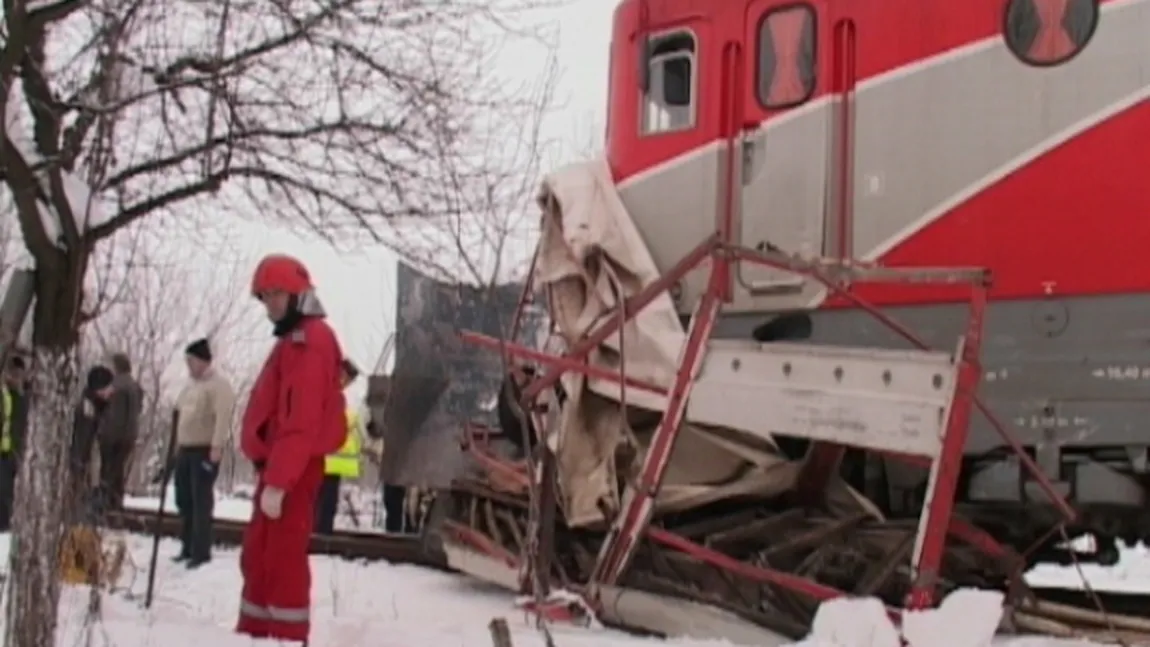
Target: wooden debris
point(500, 633)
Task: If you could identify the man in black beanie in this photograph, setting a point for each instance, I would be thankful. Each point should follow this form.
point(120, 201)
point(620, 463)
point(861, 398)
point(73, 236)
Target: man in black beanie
point(203, 428)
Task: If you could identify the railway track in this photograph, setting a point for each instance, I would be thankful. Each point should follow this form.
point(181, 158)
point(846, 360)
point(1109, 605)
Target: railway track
point(351, 545)
point(1106, 617)
point(1132, 604)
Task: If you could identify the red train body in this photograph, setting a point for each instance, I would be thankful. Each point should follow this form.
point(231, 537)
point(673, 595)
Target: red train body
point(1007, 134)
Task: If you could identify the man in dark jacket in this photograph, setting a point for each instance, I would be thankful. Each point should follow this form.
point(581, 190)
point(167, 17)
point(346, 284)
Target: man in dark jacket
point(89, 411)
point(118, 430)
point(12, 431)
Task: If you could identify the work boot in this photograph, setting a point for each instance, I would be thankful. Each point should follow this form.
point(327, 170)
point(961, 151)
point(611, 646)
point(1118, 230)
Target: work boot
point(197, 562)
point(183, 556)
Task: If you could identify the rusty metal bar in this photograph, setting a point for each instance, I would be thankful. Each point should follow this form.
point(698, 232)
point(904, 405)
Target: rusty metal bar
point(564, 362)
point(630, 307)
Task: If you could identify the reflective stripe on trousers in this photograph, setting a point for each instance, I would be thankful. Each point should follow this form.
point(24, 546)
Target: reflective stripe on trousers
point(277, 614)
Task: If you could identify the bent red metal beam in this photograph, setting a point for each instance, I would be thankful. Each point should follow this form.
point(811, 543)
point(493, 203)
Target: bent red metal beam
point(638, 505)
point(942, 486)
point(564, 362)
point(630, 307)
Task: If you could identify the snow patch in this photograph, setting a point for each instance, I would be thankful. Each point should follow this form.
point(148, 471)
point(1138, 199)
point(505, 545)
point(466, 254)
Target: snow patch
point(1130, 575)
point(852, 623)
point(357, 604)
point(966, 618)
point(87, 212)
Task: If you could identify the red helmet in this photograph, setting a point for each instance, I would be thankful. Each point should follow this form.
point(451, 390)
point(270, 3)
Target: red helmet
point(280, 272)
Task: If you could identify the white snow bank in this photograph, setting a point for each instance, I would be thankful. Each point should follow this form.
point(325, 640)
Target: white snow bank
point(966, 618)
point(852, 623)
point(357, 604)
point(1130, 575)
point(354, 605)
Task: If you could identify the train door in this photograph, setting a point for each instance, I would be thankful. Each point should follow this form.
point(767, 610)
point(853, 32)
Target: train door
point(787, 142)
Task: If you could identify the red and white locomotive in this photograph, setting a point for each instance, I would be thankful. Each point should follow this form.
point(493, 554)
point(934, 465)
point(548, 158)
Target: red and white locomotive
point(832, 176)
point(1006, 134)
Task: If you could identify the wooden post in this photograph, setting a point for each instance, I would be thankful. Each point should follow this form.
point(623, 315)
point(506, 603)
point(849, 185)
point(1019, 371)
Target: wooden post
point(500, 633)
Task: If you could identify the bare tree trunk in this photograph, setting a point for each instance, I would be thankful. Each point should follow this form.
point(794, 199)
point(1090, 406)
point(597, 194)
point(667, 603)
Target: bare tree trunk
point(41, 499)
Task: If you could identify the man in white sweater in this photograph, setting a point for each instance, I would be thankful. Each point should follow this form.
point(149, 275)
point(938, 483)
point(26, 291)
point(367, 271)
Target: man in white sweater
point(202, 431)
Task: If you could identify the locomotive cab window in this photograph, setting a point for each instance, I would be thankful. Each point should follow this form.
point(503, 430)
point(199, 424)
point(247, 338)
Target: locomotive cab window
point(787, 60)
point(669, 101)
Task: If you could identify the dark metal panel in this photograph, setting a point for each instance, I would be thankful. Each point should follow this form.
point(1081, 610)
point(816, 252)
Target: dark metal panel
point(439, 382)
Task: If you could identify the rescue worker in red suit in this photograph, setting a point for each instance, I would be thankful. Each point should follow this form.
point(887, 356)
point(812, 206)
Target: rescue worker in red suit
point(294, 418)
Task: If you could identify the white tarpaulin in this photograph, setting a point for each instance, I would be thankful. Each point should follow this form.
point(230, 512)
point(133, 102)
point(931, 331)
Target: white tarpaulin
point(591, 257)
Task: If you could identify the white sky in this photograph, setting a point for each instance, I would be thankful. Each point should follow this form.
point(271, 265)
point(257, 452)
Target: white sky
point(357, 287)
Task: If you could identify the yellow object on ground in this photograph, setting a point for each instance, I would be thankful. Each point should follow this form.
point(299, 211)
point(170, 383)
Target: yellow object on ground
point(87, 559)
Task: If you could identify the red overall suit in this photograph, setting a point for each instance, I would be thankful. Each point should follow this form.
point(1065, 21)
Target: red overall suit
point(293, 419)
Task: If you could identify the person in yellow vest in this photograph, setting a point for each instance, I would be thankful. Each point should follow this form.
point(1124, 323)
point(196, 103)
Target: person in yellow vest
point(343, 464)
point(12, 428)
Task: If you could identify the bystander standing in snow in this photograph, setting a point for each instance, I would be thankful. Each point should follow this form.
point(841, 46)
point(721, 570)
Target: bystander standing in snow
point(86, 423)
point(294, 417)
point(118, 432)
point(343, 464)
point(12, 431)
point(202, 431)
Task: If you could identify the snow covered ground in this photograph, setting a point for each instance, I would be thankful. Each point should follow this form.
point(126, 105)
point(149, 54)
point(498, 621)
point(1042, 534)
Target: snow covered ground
point(1130, 575)
point(382, 605)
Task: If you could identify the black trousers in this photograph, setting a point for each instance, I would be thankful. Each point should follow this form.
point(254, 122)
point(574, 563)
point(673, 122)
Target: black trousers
point(8, 464)
point(393, 502)
point(195, 499)
point(327, 505)
point(114, 458)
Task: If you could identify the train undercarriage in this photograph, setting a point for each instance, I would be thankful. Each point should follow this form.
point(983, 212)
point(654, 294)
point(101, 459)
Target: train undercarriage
point(747, 570)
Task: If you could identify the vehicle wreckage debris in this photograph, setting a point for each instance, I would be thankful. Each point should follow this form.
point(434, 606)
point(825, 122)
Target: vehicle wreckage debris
point(854, 555)
point(500, 633)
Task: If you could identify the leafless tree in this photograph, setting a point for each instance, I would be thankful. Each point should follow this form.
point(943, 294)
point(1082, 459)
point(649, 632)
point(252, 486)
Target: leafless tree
point(160, 306)
point(331, 115)
point(486, 229)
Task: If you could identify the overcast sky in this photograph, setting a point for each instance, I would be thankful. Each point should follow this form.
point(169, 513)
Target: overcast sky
point(358, 286)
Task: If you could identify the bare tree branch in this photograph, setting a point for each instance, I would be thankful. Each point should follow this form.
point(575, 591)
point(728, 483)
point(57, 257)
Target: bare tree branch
point(357, 118)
